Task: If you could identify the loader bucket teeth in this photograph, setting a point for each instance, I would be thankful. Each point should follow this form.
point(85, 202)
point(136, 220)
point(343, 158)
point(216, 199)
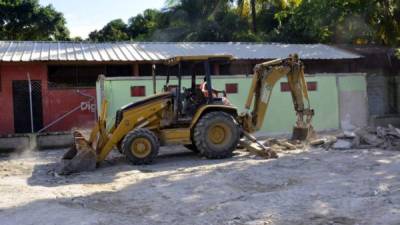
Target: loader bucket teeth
point(79, 158)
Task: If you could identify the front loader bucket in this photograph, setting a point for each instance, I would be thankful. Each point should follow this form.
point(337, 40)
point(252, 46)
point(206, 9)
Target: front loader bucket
point(79, 158)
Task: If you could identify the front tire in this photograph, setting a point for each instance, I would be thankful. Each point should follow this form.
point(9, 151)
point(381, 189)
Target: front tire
point(216, 135)
point(140, 146)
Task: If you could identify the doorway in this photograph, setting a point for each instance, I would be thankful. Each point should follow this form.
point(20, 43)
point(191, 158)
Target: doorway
point(22, 109)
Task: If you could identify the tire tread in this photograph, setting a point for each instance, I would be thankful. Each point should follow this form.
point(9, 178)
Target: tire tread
point(141, 132)
point(200, 136)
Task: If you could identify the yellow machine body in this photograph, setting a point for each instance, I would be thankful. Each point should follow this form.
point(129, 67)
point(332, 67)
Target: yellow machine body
point(156, 115)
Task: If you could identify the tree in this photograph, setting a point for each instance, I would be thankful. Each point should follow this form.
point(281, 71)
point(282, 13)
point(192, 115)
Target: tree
point(115, 30)
point(262, 13)
point(298, 21)
point(27, 20)
point(342, 21)
point(384, 17)
point(77, 39)
point(144, 26)
point(253, 15)
point(248, 7)
point(207, 20)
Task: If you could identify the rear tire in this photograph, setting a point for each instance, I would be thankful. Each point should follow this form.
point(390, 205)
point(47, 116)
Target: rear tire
point(140, 146)
point(216, 135)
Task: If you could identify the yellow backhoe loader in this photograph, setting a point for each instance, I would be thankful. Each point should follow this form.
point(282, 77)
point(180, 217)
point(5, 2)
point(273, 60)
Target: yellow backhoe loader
point(192, 117)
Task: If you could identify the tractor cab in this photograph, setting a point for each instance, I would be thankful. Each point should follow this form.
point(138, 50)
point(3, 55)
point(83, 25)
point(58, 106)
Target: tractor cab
point(189, 98)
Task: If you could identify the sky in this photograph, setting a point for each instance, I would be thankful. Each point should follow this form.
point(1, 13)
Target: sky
point(84, 16)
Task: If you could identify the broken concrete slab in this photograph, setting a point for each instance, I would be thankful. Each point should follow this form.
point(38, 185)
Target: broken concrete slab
point(255, 149)
point(282, 144)
point(382, 137)
point(384, 121)
point(326, 141)
point(391, 130)
point(349, 134)
point(366, 136)
point(341, 144)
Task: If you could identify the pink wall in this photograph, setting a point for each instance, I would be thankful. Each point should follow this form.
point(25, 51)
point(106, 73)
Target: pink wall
point(61, 101)
point(56, 102)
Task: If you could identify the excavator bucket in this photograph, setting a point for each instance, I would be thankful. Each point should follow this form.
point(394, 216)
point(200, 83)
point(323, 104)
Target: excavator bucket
point(82, 156)
point(303, 133)
point(303, 130)
point(79, 158)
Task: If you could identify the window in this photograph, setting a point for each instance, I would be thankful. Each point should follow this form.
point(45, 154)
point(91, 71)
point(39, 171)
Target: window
point(231, 88)
point(66, 76)
point(285, 87)
point(311, 86)
point(138, 91)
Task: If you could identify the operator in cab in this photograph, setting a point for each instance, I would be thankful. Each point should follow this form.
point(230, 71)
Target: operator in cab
point(204, 90)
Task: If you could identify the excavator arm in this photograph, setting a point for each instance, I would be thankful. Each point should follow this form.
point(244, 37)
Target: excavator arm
point(264, 79)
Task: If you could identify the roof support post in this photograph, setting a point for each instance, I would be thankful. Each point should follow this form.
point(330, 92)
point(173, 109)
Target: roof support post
point(179, 88)
point(216, 70)
point(135, 69)
point(153, 74)
point(208, 80)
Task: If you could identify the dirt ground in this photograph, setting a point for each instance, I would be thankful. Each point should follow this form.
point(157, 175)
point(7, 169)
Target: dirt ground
point(301, 187)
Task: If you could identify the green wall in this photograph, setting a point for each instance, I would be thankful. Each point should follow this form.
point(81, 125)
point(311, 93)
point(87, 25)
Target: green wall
point(352, 83)
point(280, 117)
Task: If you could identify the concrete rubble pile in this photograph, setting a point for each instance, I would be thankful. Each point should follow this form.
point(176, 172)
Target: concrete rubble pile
point(381, 137)
point(269, 145)
point(279, 145)
point(362, 138)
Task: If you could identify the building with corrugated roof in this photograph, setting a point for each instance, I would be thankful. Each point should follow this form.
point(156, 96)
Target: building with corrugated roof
point(62, 77)
point(28, 51)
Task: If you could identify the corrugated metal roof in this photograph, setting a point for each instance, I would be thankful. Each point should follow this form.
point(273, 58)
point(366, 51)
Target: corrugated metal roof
point(25, 51)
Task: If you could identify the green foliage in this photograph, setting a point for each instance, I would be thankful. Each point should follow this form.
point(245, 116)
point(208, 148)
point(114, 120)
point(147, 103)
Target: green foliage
point(77, 39)
point(296, 21)
point(27, 20)
point(143, 26)
point(217, 22)
point(341, 21)
point(115, 30)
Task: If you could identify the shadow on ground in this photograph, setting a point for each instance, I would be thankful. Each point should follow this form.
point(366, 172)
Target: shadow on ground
point(169, 159)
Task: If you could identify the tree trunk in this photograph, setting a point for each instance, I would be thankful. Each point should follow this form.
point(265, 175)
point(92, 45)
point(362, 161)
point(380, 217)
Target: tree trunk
point(253, 15)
